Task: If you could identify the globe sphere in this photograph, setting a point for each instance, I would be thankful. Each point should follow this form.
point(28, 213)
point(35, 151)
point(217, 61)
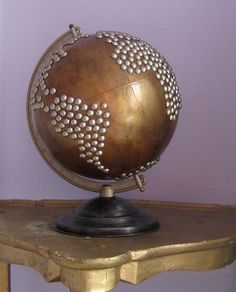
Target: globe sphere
point(102, 106)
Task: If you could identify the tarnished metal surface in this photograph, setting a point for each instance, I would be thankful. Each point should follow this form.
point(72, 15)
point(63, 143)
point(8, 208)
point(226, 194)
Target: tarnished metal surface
point(99, 113)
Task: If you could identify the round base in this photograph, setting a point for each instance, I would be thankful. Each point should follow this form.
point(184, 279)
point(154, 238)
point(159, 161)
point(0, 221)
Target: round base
point(106, 217)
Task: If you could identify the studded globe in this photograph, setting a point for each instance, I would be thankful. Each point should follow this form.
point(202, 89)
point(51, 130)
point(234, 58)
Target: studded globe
point(102, 106)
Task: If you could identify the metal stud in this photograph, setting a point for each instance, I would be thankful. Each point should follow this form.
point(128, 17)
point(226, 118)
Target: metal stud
point(95, 136)
point(84, 107)
point(45, 76)
point(58, 130)
point(106, 123)
point(87, 136)
point(130, 70)
point(57, 108)
point(96, 128)
point(82, 124)
point(92, 122)
point(73, 122)
point(81, 148)
point(81, 135)
point(69, 107)
point(99, 121)
point(94, 106)
point(103, 105)
point(90, 113)
point(46, 109)
point(62, 113)
point(117, 50)
point(38, 98)
point(85, 118)
point(56, 58)
point(61, 125)
point(77, 129)
point(78, 101)
point(73, 136)
point(52, 106)
point(99, 112)
point(53, 90)
point(78, 116)
point(56, 100)
point(63, 104)
point(64, 133)
point(75, 108)
point(101, 138)
point(54, 114)
point(103, 130)
point(70, 99)
point(63, 54)
point(46, 91)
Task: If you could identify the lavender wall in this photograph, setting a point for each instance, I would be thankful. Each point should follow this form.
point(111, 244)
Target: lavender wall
point(199, 40)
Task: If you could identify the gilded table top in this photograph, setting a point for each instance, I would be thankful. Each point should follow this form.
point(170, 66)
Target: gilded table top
point(185, 228)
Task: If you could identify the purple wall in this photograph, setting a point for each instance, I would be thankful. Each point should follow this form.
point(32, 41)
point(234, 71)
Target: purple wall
point(199, 40)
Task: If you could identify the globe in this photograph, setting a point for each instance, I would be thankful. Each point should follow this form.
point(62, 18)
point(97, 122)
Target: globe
point(102, 106)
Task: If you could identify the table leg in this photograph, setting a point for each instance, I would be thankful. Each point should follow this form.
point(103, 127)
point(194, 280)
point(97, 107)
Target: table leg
point(100, 280)
point(5, 285)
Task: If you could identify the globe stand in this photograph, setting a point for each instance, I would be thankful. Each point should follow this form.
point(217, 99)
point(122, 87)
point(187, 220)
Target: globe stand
point(107, 216)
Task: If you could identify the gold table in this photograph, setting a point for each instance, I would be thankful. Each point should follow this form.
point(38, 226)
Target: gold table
point(192, 237)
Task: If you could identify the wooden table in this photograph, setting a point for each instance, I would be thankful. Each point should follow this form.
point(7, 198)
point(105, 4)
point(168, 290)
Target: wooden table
point(192, 237)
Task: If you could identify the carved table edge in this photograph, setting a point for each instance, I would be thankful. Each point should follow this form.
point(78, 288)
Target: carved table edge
point(121, 259)
point(133, 270)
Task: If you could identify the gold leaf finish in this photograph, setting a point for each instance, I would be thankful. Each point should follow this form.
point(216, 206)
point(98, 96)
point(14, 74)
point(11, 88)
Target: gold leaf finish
point(27, 237)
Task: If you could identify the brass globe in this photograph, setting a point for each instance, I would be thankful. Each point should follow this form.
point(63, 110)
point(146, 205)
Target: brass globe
point(103, 107)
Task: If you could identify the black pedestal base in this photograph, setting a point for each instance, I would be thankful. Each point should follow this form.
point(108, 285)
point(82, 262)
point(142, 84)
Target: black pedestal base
point(106, 217)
